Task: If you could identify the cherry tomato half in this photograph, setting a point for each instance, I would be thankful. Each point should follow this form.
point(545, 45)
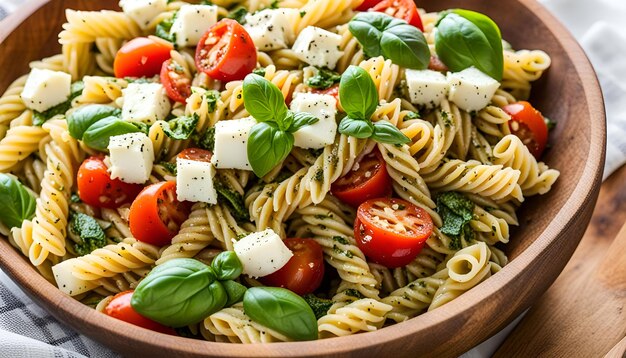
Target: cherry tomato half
point(141, 57)
point(528, 124)
point(197, 154)
point(401, 9)
point(303, 273)
point(226, 51)
point(367, 4)
point(120, 308)
point(369, 180)
point(96, 188)
point(391, 231)
point(156, 215)
point(177, 85)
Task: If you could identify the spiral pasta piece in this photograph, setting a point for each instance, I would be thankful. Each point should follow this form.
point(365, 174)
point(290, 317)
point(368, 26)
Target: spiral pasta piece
point(322, 13)
point(19, 143)
point(233, 324)
point(384, 73)
point(107, 49)
point(352, 51)
point(78, 59)
point(521, 68)
point(22, 239)
point(364, 315)
point(87, 26)
point(11, 104)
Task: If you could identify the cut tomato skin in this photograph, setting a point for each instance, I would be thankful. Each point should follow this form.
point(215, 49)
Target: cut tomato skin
point(303, 273)
point(177, 85)
point(96, 188)
point(369, 181)
point(155, 203)
point(226, 51)
point(120, 308)
point(529, 125)
point(367, 4)
point(141, 57)
point(382, 243)
point(402, 9)
point(197, 154)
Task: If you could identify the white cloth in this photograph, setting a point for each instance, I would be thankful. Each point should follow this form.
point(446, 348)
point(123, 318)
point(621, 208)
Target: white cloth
point(28, 331)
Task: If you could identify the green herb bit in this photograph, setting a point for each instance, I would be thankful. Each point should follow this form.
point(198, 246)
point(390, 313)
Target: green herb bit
point(323, 79)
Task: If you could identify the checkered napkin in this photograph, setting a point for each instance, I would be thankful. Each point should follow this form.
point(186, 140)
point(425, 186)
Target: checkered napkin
point(26, 330)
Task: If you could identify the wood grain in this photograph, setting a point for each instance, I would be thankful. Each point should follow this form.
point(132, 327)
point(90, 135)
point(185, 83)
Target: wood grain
point(552, 224)
point(583, 314)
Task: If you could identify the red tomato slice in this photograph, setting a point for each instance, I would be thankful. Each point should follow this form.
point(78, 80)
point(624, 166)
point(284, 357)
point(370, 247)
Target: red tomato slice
point(226, 52)
point(369, 180)
point(303, 273)
point(96, 188)
point(401, 9)
point(197, 154)
point(141, 57)
point(120, 308)
point(176, 83)
point(367, 4)
point(156, 215)
point(528, 124)
point(391, 231)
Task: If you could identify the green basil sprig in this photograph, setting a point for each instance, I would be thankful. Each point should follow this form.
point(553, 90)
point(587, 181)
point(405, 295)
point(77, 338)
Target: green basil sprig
point(323, 79)
point(271, 139)
point(16, 203)
point(181, 128)
point(466, 38)
point(359, 98)
point(82, 118)
point(97, 136)
point(281, 310)
point(456, 211)
point(383, 35)
point(184, 291)
point(89, 231)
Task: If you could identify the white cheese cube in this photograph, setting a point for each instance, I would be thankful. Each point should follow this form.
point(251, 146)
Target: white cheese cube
point(145, 102)
point(131, 157)
point(191, 23)
point(231, 144)
point(45, 89)
point(143, 11)
point(318, 47)
point(194, 181)
point(67, 282)
point(262, 253)
point(426, 87)
point(321, 133)
point(471, 89)
point(271, 29)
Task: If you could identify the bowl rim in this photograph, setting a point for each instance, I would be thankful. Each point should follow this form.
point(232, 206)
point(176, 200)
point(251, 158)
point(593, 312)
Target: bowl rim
point(20, 270)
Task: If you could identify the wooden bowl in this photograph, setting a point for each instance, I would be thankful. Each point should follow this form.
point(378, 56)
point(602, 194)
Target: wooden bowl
point(551, 225)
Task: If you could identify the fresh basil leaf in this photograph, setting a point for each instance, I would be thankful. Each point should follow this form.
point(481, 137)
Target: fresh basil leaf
point(76, 89)
point(211, 97)
point(170, 167)
point(263, 100)
point(235, 292)
point(406, 46)
point(206, 140)
point(163, 29)
point(358, 93)
point(466, 38)
point(98, 134)
point(281, 310)
point(320, 306)
point(83, 117)
point(91, 234)
point(179, 292)
point(367, 28)
point(385, 132)
point(238, 14)
point(16, 203)
point(267, 146)
point(182, 127)
point(323, 79)
point(356, 128)
point(259, 71)
point(302, 119)
point(456, 212)
point(233, 200)
point(226, 266)
point(74, 198)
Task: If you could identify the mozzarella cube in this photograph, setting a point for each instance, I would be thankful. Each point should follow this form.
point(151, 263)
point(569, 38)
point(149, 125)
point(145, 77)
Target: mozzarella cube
point(262, 253)
point(426, 87)
point(45, 89)
point(318, 47)
point(471, 89)
point(321, 133)
point(131, 157)
point(145, 102)
point(271, 29)
point(143, 11)
point(191, 23)
point(194, 181)
point(231, 144)
point(67, 282)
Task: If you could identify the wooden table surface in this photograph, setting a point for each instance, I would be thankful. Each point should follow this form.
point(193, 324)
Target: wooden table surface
point(583, 314)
